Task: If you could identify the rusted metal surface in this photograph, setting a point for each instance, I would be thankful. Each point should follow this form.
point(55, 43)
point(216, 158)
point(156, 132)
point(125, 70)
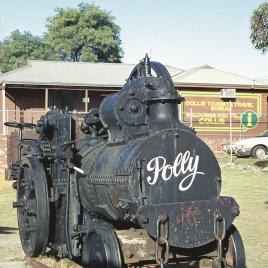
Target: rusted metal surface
point(138, 250)
point(136, 245)
point(191, 224)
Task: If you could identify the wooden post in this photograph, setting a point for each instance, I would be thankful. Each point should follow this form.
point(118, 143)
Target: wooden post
point(86, 100)
point(4, 108)
point(46, 99)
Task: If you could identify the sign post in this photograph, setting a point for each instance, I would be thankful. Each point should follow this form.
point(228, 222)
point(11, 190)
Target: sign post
point(231, 132)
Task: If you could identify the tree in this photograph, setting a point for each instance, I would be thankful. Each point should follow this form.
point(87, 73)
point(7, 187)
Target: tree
point(20, 47)
point(259, 28)
point(86, 33)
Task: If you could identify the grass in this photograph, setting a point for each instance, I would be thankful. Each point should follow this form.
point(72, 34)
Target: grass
point(243, 179)
point(10, 248)
point(248, 184)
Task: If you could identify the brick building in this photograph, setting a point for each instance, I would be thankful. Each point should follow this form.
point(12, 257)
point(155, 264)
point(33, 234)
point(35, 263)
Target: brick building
point(215, 117)
point(27, 92)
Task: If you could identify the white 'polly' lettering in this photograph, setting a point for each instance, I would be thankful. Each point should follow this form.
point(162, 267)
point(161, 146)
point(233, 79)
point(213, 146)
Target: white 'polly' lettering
point(184, 164)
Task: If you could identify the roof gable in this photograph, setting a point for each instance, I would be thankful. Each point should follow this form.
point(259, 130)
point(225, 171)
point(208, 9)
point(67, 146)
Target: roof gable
point(208, 75)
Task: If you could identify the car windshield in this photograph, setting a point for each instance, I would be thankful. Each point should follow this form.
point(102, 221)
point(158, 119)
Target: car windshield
point(265, 134)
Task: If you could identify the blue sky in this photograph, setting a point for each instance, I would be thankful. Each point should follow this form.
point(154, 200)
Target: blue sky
point(182, 33)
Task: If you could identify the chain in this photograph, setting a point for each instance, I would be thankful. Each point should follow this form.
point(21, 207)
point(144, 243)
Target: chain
point(162, 239)
point(219, 233)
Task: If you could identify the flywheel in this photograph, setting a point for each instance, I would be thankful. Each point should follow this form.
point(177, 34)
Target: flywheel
point(33, 207)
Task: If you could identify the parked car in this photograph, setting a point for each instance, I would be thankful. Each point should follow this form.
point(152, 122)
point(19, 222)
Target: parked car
point(256, 147)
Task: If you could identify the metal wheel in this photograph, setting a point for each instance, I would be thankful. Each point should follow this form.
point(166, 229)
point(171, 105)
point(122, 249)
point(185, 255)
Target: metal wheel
point(33, 207)
point(259, 151)
point(101, 248)
point(235, 255)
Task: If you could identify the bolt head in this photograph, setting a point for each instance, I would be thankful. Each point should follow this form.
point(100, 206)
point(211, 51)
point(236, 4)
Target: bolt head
point(128, 253)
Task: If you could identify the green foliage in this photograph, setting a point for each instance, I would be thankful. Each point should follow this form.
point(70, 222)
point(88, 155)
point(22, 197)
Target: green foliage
point(259, 28)
point(86, 33)
point(20, 47)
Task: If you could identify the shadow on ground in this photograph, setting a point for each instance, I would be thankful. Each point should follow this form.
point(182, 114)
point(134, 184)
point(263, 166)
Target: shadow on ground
point(261, 163)
point(7, 230)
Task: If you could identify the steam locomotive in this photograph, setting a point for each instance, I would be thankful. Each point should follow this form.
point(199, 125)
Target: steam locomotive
point(125, 185)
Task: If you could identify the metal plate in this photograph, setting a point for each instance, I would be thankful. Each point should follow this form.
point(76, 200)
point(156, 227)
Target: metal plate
point(191, 224)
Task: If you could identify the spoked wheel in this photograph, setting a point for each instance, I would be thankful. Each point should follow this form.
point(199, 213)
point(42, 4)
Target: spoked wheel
point(101, 248)
point(235, 255)
point(33, 207)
